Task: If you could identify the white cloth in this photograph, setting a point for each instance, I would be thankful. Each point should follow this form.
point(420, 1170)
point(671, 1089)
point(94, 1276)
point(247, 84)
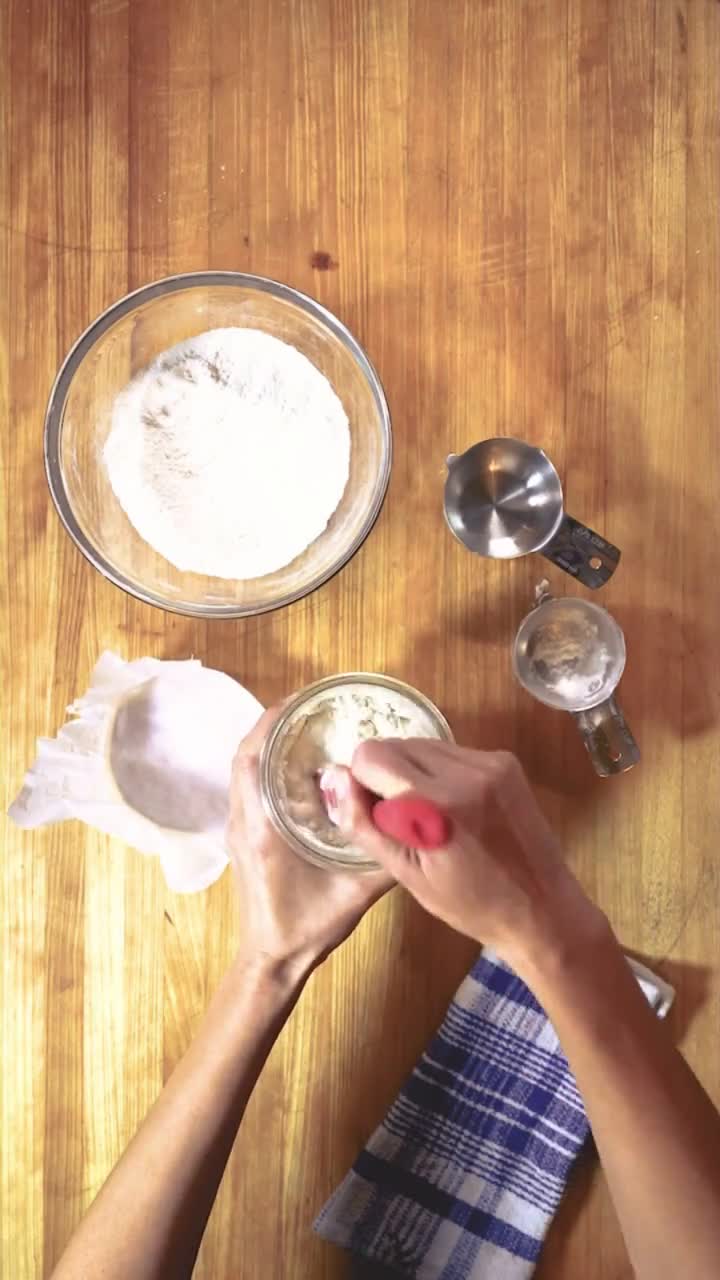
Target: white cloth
point(147, 758)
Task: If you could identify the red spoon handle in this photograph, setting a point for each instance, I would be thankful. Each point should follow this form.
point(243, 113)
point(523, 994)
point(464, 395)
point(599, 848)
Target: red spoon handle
point(412, 820)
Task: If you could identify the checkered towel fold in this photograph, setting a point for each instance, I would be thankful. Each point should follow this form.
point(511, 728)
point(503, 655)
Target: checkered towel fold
point(463, 1176)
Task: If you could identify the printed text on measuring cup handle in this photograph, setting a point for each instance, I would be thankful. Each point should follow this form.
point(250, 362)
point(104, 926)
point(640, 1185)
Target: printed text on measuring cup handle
point(583, 553)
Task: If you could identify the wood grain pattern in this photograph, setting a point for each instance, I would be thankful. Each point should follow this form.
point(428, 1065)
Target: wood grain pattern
point(513, 204)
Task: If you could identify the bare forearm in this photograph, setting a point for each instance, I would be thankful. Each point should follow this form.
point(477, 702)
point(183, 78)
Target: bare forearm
point(656, 1131)
point(149, 1217)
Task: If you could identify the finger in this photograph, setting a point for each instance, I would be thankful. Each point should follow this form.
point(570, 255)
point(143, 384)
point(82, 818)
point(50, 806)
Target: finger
point(429, 753)
point(385, 767)
point(245, 801)
point(245, 796)
point(372, 885)
point(354, 818)
point(253, 741)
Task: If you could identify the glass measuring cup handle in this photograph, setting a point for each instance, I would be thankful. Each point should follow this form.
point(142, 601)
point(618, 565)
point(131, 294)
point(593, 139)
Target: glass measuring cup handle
point(607, 738)
point(581, 552)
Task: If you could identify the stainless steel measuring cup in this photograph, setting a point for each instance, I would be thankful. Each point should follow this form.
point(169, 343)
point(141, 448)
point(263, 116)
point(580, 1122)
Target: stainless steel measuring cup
point(570, 654)
point(503, 498)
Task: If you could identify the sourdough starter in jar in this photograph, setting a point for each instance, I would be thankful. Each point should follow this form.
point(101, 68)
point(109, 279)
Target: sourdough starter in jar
point(324, 726)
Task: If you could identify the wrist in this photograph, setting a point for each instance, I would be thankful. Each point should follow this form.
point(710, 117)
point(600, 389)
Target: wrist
point(283, 972)
point(575, 945)
point(563, 932)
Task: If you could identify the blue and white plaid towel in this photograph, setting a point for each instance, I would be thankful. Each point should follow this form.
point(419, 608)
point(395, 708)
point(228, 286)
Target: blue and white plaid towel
point(462, 1178)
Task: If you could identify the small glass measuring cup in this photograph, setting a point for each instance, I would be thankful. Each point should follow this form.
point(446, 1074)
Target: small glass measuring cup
point(570, 654)
point(503, 499)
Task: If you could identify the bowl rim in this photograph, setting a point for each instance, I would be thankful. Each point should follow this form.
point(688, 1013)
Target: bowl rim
point(52, 430)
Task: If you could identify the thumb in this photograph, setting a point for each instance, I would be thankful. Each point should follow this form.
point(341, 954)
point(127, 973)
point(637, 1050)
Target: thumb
point(350, 805)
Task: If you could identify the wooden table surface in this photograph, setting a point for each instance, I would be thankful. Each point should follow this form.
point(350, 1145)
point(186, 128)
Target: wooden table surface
point(513, 206)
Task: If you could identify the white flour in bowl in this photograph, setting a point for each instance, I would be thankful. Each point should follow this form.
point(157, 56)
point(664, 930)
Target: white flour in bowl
point(229, 453)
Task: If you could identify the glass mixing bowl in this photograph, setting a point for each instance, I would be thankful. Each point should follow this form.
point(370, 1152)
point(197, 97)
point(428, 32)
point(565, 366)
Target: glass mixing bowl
point(123, 341)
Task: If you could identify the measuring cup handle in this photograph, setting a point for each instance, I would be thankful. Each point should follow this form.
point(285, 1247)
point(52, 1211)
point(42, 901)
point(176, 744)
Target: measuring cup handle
point(581, 552)
point(607, 738)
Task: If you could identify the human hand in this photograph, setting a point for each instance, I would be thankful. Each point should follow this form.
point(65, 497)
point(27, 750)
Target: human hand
point(293, 912)
point(501, 878)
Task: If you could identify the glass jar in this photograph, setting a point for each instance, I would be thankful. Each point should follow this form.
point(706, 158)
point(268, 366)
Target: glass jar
point(426, 721)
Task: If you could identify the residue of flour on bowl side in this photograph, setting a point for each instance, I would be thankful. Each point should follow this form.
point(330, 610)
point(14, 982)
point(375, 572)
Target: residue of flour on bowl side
point(570, 658)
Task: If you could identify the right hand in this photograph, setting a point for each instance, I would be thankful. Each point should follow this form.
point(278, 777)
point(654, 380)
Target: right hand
point(501, 878)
